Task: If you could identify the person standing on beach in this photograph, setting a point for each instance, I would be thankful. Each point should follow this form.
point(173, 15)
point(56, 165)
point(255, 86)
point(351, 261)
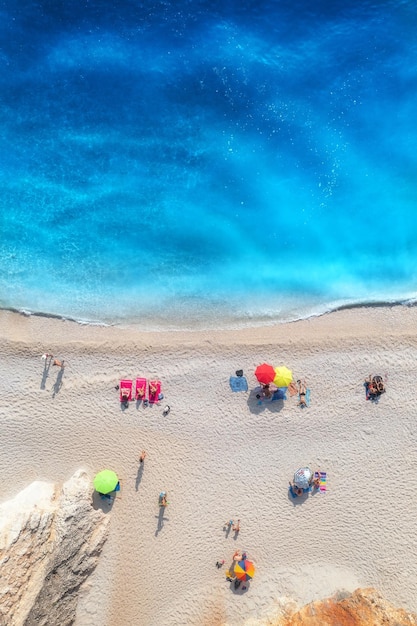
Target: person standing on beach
point(58, 363)
point(142, 456)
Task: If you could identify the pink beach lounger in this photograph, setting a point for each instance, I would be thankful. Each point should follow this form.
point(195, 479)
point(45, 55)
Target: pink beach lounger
point(125, 390)
point(154, 391)
point(140, 389)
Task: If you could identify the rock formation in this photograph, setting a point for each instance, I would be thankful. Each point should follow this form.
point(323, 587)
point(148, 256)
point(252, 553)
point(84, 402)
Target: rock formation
point(49, 544)
point(363, 607)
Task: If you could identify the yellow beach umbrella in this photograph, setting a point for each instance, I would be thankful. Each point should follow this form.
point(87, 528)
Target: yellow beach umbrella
point(283, 376)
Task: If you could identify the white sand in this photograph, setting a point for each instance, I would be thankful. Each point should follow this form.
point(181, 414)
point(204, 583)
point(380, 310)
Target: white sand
point(221, 455)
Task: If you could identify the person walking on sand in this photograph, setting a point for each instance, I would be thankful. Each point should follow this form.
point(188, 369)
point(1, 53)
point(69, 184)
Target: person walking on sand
point(142, 456)
point(58, 363)
point(47, 356)
point(236, 527)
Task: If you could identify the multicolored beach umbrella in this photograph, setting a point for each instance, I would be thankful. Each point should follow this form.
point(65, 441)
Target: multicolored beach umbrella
point(302, 477)
point(244, 570)
point(282, 376)
point(265, 373)
point(105, 481)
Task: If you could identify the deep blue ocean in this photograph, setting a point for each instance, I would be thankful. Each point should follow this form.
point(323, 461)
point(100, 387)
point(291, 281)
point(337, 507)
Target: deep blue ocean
point(173, 162)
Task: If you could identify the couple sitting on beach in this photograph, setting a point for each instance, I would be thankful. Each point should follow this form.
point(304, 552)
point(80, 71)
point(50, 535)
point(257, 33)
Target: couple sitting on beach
point(374, 387)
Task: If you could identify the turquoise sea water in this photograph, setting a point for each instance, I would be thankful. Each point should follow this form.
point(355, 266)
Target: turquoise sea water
point(214, 162)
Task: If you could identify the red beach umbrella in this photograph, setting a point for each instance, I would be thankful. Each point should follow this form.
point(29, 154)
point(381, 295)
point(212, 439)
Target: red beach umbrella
point(265, 373)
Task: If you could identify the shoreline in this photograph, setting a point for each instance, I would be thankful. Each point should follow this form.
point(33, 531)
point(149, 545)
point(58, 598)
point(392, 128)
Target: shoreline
point(233, 324)
point(219, 455)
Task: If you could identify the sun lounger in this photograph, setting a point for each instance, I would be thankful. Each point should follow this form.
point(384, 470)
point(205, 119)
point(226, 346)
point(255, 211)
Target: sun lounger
point(125, 391)
point(154, 391)
point(140, 389)
point(238, 383)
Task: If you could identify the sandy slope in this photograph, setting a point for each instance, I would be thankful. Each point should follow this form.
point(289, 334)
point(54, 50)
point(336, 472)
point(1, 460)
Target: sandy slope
point(220, 455)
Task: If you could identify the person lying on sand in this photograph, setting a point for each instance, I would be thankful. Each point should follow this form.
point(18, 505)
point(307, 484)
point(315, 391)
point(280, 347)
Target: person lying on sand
point(302, 390)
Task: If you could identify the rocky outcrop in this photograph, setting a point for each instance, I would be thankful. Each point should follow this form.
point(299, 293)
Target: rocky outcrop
point(50, 541)
point(363, 607)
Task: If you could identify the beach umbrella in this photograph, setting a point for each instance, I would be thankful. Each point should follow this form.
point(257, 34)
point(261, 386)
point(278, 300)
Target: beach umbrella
point(105, 481)
point(265, 373)
point(244, 570)
point(302, 477)
point(282, 376)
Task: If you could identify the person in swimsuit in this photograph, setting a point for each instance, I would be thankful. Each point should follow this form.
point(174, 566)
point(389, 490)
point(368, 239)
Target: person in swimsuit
point(302, 390)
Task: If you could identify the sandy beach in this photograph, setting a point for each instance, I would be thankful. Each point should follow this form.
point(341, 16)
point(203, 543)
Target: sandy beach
point(220, 455)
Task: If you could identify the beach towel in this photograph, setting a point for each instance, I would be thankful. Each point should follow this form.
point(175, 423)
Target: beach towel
point(307, 397)
point(279, 394)
point(323, 480)
point(154, 391)
point(140, 389)
point(238, 383)
point(125, 385)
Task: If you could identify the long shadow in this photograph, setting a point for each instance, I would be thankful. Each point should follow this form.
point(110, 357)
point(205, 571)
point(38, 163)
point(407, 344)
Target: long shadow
point(45, 372)
point(139, 475)
point(58, 383)
point(161, 519)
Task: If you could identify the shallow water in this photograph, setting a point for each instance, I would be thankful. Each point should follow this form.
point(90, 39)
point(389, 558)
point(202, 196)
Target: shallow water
point(207, 162)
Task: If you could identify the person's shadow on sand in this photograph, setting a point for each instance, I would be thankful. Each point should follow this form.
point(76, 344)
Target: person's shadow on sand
point(139, 475)
point(161, 519)
point(58, 383)
point(45, 372)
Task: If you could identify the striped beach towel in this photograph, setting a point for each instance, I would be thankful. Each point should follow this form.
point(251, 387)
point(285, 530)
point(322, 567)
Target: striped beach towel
point(323, 481)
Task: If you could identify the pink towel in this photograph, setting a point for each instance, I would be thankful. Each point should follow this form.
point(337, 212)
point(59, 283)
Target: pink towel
point(125, 386)
point(154, 391)
point(140, 390)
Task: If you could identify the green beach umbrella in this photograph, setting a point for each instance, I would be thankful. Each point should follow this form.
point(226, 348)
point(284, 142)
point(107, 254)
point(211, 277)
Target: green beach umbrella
point(105, 481)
